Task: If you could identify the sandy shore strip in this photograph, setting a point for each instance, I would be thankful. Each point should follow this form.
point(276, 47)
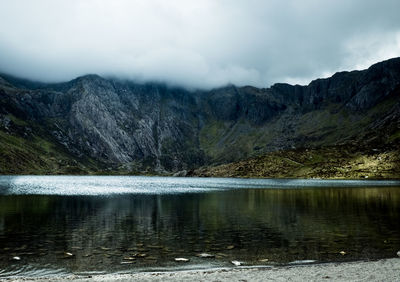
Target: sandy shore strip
point(381, 270)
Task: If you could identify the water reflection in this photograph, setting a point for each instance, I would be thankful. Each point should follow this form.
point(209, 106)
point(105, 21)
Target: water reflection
point(251, 225)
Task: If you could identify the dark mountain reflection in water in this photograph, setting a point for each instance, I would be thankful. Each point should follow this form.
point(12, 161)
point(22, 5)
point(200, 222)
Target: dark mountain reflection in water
point(135, 232)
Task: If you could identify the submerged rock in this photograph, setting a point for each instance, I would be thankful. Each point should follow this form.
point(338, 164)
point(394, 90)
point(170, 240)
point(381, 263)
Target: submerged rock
point(154, 247)
point(182, 259)
point(68, 255)
point(304, 261)
point(129, 258)
point(150, 258)
point(222, 255)
point(205, 255)
point(236, 262)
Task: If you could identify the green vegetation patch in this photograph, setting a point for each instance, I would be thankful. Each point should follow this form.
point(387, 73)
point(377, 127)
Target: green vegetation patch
point(342, 162)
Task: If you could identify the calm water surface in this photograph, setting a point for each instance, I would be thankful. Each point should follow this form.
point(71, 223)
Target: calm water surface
point(125, 224)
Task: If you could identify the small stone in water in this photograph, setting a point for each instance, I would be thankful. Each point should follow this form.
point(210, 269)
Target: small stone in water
point(21, 248)
point(342, 253)
point(129, 258)
point(154, 247)
point(205, 255)
point(398, 253)
point(236, 262)
point(150, 258)
point(16, 258)
point(68, 255)
point(222, 254)
point(181, 259)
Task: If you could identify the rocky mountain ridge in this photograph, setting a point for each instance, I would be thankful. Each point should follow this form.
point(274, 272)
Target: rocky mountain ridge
point(94, 124)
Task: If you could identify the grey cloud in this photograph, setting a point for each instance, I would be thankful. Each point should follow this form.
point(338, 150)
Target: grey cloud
point(198, 44)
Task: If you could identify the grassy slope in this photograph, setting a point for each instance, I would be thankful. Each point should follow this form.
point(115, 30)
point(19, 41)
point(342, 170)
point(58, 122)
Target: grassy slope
point(232, 141)
point(326, 162)
point(37, 153)
point(330, 143)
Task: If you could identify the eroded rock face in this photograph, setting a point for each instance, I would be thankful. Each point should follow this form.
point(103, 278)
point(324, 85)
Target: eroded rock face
point(121, 122)
point(152, 126)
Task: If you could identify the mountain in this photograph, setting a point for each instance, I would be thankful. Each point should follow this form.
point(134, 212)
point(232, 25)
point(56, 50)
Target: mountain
point(102, 125)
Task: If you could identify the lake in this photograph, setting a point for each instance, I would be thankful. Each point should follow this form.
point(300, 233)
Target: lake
point(101, 224)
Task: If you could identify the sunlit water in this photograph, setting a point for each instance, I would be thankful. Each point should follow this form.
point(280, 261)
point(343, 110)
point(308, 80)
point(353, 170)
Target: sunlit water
point(125, 224)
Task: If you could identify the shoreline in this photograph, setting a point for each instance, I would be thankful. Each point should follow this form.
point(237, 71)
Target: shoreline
point(170, 175)
point(216, 177)
point(379, 270)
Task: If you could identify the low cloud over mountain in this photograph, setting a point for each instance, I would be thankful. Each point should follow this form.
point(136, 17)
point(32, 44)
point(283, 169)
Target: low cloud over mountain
point(200, 44)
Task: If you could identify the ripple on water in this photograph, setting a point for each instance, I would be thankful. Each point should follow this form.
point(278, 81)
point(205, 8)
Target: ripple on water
point(31, 271)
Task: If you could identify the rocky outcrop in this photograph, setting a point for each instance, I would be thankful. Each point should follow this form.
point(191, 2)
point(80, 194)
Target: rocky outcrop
point(154, 127)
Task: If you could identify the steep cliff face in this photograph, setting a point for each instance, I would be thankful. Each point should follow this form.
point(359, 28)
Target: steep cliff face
point(113, 122)
point(92, 123)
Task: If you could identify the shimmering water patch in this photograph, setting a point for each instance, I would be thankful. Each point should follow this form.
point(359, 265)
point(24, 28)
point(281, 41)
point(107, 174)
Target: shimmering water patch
point(108, 185)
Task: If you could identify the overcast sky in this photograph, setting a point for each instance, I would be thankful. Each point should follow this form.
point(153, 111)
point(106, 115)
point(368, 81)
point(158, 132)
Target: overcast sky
point(199, 43)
